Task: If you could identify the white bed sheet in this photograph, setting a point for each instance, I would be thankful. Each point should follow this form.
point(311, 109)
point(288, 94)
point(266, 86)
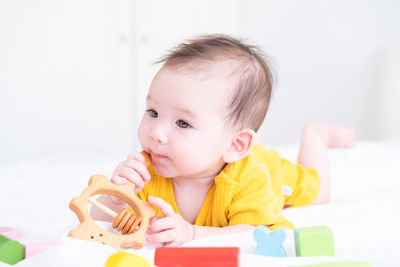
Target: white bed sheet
point(34, 198)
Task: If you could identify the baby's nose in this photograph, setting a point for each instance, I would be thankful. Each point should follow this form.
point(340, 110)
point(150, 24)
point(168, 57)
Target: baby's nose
point(158, 134)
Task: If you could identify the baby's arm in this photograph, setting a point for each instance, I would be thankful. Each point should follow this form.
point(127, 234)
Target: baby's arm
point(173, 230)
point(316, 140)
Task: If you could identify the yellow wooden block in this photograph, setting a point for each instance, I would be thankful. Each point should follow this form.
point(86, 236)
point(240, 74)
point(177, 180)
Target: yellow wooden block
point(126, 259)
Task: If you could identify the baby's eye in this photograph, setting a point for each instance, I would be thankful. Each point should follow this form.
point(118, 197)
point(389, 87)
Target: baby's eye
point(183, 124)
point(153, 113)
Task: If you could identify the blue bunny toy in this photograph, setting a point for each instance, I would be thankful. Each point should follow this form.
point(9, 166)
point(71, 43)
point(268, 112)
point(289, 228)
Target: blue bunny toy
point(269, 243)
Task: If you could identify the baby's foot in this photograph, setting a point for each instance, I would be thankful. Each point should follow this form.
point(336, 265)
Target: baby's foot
point(334, 136)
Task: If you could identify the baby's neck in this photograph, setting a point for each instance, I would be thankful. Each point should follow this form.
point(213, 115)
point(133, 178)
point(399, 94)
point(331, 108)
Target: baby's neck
point(190, 194)
point(198, 180)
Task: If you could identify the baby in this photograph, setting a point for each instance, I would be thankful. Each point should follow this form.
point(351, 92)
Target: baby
point(208, 174)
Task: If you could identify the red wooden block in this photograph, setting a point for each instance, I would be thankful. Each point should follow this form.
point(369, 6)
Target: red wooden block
point(197, 256)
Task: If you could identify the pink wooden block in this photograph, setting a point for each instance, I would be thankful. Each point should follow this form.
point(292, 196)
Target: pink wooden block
point(9, 232)
point(35, 248)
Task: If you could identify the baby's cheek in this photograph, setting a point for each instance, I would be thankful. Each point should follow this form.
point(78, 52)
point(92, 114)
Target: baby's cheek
point(191, 159)
point(182, 160)
point(141, 136)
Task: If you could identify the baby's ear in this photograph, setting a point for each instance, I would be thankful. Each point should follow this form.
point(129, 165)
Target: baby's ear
point(240, 145)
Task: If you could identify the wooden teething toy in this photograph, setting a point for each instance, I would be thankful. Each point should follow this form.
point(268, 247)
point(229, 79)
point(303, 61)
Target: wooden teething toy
point(125, 221)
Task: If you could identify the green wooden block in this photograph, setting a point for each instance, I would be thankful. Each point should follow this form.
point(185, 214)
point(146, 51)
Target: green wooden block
point(314, 241)
point(11, 251)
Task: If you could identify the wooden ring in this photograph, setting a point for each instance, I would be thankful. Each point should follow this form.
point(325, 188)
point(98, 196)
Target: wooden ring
point(89, 230)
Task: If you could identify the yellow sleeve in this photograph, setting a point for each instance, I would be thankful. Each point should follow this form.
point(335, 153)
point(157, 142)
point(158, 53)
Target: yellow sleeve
point(255, 203)
point(301, 184)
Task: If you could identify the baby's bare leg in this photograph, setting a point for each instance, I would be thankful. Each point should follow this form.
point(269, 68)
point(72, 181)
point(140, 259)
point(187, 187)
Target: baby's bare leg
point(316, 140)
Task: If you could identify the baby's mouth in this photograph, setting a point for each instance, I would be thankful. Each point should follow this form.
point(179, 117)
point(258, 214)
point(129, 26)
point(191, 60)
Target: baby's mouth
point(157, 156)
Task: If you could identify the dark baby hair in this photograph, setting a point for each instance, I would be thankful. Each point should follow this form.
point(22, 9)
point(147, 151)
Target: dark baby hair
point(252, 75)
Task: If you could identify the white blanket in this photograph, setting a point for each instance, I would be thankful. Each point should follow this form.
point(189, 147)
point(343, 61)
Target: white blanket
point(34, 198)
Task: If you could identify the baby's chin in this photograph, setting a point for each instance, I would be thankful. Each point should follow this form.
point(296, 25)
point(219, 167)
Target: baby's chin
point(170, 173)
point(169, 170)
point(163, 172)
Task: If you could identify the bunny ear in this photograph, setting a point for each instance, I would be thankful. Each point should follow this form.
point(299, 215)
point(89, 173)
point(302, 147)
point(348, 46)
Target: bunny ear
point(279, 234)
point(261, 233)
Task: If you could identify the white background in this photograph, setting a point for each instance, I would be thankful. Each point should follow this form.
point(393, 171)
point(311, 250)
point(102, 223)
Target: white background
point(74, 74)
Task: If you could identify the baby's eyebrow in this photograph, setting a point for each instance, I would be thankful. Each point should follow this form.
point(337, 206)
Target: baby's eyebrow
point(188, 112)
point(151, 100)
point(148, 97)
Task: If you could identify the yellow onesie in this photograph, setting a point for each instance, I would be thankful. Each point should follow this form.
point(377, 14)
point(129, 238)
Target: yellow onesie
point(250, 191)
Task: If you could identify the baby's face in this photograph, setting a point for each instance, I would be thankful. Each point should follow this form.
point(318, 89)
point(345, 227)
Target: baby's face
point(183, 126)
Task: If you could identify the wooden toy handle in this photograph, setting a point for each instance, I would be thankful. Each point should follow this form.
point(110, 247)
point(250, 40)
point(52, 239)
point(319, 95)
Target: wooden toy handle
point(102, 207)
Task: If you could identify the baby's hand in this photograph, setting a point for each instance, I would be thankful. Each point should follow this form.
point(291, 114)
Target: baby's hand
point(171, 229)
point(132, 169)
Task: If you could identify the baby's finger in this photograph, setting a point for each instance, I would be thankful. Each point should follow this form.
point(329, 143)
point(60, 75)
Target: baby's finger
point(138, 167)
point(137, 156)
point(165, 223)
point(162, 237)
point(165, 207)
point(131, 175)
point(154, 219)
point(118, 180)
